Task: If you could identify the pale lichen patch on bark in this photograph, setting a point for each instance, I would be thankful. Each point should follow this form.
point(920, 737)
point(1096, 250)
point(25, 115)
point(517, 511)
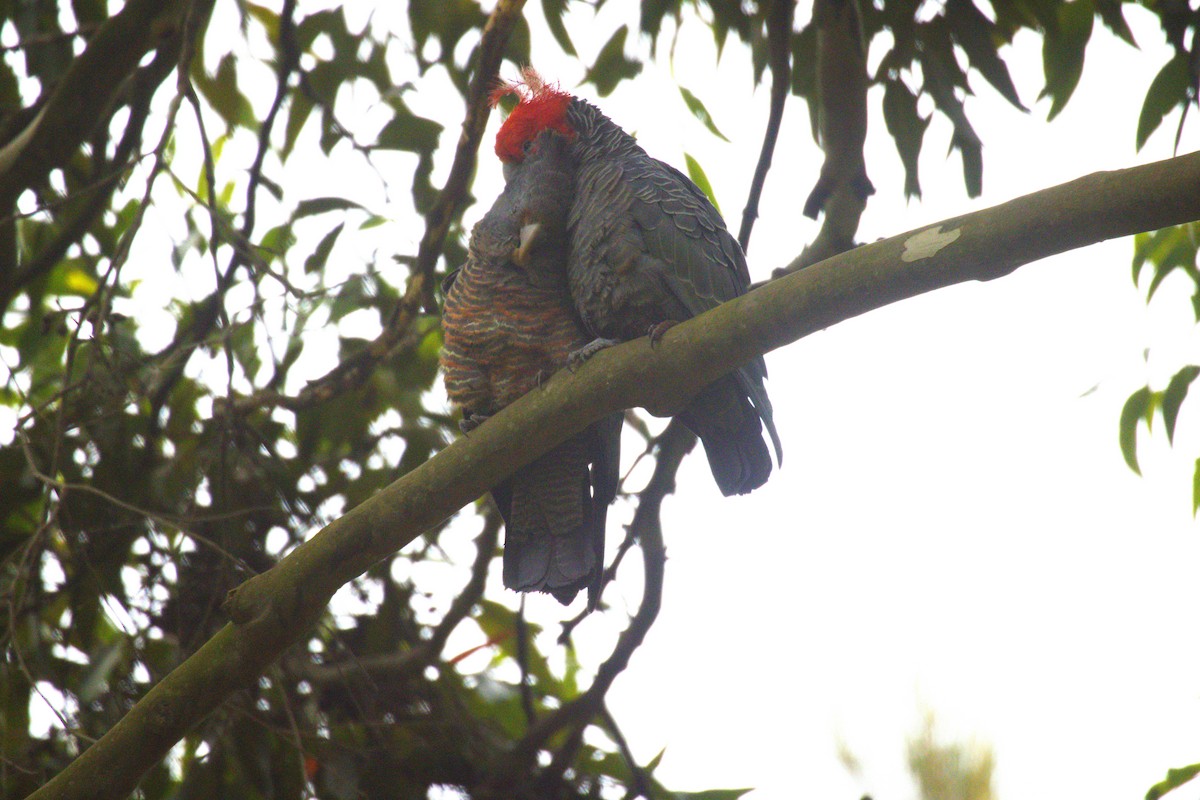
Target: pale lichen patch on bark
point(925, 244)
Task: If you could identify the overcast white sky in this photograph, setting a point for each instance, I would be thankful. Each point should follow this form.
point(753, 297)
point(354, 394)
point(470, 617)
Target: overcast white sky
point(953, 527)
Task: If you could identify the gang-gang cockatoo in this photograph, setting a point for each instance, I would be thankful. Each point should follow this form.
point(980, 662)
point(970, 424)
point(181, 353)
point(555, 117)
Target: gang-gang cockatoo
point(509, 324)
point(647, 249)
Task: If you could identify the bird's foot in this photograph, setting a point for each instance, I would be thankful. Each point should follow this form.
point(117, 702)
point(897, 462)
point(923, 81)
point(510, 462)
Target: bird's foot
point(587, 351)
point(656, 331)
point(471, 422)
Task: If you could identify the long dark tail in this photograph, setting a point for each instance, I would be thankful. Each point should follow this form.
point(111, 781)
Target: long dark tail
point(730, 427)
point(555, 511)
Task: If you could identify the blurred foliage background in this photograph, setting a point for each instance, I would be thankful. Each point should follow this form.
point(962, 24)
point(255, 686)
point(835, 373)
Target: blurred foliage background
point(221, 229)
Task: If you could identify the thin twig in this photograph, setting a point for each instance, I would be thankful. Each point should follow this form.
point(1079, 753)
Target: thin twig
point(779, 34)
point(523, 664)
point(452, 198)
point(397, 334)
point(85, 30)
point(642, 785)
point(178, 523)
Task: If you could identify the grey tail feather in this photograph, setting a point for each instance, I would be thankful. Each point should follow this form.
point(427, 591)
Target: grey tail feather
point(752, 385)
point(555, 510)
point(559, 564)
point(730, 427)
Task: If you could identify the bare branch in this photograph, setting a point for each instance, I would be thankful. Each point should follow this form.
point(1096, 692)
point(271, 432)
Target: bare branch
point(453, 196)
point(842, 82)
point(779, 44)
point(642, 786)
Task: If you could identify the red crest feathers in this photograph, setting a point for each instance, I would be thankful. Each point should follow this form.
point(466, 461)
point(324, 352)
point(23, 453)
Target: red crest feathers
point(540, 106)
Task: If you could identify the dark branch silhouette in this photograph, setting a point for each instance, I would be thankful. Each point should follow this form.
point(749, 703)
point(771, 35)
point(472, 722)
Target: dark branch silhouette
point(779, 42)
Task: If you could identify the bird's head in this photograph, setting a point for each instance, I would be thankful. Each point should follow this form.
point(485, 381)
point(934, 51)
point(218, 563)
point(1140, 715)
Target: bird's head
point(540, 107)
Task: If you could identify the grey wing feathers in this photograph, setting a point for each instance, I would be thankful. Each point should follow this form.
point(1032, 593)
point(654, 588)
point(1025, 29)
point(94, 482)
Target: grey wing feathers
point(680, 227)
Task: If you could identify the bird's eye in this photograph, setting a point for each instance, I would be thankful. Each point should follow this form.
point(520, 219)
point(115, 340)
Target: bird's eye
point(527, 146)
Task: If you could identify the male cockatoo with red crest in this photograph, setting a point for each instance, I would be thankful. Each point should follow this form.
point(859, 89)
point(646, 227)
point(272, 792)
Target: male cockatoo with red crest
point(647, 249)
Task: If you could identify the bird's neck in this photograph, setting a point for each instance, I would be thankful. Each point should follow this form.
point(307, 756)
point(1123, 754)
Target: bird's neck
point(597, 136)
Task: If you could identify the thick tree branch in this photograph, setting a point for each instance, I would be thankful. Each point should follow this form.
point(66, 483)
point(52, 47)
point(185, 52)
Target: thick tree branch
point(842, 83)
point(273, 610)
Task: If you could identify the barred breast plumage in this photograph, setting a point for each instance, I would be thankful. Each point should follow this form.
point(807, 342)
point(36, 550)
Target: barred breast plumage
point(509, 324)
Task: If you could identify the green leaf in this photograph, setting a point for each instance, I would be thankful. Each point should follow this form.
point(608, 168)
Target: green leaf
point(1137, 407)
point(93, 11)
point(242, 344)
point(316, 261)
point(696, 173)
point(1113, 17)
point(712, 794)
point(728, 15)
point(700, 112)
point(267, 18)
point(553, 11)
point(1168, 90)
point(1142, 245)
point(277, 240)
point(1195, 496)
point(516, 49)
point(1062, 52)
point(945, 81)
point(408, 132)
point(804, 74)
point(322, 205)
point(612, 65)
point(298, 112)
point(570, 681)
point(96, 679)
point(979, 37)
point(1166, 250)
point(312, 26)
point(907, 127)
point(73, 276)
point(1176, 777)
point(653, 13)
point(447, 21)
point(221, 92)
point(1173, 396)
point(10, 93)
